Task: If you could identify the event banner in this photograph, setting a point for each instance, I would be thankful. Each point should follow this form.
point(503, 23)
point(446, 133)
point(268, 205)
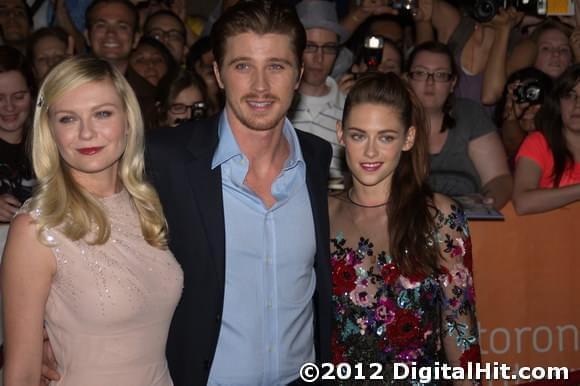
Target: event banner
point(527, 280)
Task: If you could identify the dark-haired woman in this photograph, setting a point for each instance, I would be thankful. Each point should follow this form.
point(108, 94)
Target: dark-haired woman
point(401, 256)
point(16, 95)
point(548, 163)
point(181, 98)
point(467, 156)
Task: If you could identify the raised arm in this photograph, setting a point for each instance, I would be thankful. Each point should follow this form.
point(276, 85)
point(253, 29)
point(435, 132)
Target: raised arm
point(494, 75)
point(423, 22)
point(459, 323)
point(367, 8)
point(445, 19)
point(489, 159)
point(529, 198)
point(26, 276)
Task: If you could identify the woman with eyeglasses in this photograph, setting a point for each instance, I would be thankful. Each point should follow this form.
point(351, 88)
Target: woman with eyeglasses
point(548, 162)
point(181, 98)
point(17, 85)
point(467, 156)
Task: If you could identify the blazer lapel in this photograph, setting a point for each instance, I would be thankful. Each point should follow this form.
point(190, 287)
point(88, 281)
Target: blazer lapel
point(316, 188)
point(206, 185)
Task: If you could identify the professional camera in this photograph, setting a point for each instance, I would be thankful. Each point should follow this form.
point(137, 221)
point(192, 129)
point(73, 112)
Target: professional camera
point(198, 111)
point(484, 10)
point(529, 92)
point(373, 51)
point(404, 6)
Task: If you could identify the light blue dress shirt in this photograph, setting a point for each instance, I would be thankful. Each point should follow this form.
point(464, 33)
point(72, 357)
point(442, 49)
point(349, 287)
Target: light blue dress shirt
point(267, 329)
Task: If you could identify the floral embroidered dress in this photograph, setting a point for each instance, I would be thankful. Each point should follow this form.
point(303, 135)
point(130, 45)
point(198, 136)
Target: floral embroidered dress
point(386, 317)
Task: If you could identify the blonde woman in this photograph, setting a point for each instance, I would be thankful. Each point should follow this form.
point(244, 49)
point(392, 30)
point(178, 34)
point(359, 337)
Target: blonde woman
point(87, 255)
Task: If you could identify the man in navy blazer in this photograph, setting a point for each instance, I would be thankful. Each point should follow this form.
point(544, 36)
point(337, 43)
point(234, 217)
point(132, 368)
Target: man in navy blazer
point(245, 198)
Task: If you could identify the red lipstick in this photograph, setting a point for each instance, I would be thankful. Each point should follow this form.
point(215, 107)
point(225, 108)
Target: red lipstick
point(90, 150)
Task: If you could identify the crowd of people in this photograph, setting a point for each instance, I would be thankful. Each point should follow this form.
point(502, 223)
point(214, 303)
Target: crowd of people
point(221, 205)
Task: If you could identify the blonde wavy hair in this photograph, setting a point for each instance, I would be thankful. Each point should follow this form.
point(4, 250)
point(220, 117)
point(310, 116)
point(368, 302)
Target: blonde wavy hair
point(59, 199)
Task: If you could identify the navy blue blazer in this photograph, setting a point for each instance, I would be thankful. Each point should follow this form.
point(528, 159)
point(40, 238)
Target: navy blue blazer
point(179, 165)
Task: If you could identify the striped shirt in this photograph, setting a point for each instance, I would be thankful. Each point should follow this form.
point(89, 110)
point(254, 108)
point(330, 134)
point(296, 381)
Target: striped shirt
point(318, 115)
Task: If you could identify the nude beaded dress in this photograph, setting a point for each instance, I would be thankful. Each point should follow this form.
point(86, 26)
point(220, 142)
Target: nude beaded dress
point(110, 306)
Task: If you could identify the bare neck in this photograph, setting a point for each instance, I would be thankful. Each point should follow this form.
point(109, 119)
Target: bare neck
point(265, 149)
point(371, 195)
point(435, 120)
point(12, 137)
point(573, 143)
point(314, 90)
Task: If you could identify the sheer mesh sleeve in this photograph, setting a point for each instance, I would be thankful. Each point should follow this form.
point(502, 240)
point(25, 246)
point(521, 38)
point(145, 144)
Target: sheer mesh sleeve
point(459, 324)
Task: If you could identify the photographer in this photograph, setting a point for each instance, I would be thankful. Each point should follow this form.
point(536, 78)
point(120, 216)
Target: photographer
point(522, 99)
point(547, 173)
point(181, 98)
point(385, 57)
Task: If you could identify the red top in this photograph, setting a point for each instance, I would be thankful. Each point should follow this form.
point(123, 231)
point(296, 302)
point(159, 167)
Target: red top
point(535, 147)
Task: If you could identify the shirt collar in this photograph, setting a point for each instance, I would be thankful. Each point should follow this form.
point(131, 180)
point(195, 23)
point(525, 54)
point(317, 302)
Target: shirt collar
point(228, 147)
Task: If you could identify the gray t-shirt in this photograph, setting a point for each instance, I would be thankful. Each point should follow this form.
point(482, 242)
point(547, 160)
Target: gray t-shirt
point(452, 171)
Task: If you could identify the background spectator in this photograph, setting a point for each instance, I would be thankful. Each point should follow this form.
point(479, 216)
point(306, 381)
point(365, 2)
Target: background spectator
point(466, 151)
point(16, 94)
point(199, 61)
point(169, 29)
point(112, 31)
point(391, 61)
point(522, 99)
point(46, 48)
point(181, 98)
point(319, 101)
point(15, 23)
point(548, 163)
point(152, 60)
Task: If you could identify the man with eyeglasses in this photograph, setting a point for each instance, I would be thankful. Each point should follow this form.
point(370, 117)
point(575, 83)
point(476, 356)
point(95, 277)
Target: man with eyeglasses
point(168, 28)
point(15, 23)
point(319, 105)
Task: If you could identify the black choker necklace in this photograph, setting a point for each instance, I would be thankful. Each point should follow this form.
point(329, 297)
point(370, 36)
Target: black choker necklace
point(348, 195)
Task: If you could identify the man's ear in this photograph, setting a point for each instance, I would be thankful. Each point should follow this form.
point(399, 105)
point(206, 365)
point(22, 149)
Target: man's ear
point(410, 138)
point(86, 35)
point(136, 38)
point(216, 72)
point(339, 133)
point(185, 52)
point(300, 73)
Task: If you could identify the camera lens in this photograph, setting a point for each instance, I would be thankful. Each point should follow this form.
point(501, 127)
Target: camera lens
point(484, 10)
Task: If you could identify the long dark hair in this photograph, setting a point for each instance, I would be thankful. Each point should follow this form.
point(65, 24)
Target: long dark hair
point(12, 60)
point(410, 204)
point(438, 48)
point(549, 121)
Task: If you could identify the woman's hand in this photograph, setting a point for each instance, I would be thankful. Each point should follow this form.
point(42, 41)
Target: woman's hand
point(8, 207)
point(424, 11)
point(575, 44)
point(49, 364)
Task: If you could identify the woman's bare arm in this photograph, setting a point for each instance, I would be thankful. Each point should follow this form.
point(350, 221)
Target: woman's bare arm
point(26, 276)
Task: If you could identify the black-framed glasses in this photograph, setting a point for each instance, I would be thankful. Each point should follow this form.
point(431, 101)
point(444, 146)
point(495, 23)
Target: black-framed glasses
point(327, 49)
point(198, 109)
point(437, 76)
point(172, 35)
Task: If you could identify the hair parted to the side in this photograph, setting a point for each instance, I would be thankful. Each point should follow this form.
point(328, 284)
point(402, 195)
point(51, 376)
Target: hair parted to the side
point(261, 17)
point(435, 47)
point(60, 199)
point(410, 205)
point(549, 121)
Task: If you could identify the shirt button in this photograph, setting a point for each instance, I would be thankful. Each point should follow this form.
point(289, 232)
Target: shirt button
point(269, 305)
point(269, 348)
